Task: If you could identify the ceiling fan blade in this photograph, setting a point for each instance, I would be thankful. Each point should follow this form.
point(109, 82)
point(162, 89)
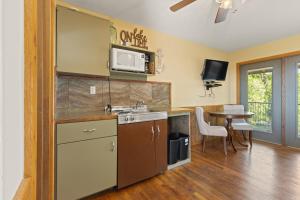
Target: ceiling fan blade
point(181, 4)
point(221, 15)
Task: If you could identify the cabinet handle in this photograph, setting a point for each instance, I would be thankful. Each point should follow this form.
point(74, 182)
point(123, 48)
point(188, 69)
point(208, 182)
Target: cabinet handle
point(158, 130)
point(152, 133)
point(89, 130)
point(113, 146)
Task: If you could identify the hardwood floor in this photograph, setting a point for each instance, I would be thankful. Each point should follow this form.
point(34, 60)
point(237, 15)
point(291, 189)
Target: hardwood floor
point(266, 172)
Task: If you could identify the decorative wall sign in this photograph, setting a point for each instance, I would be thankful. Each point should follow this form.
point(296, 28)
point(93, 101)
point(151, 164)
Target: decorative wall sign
point(135, 38)
point(160, 66)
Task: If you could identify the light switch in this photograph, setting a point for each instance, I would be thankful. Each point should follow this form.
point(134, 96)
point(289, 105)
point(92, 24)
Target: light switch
point(92, 89)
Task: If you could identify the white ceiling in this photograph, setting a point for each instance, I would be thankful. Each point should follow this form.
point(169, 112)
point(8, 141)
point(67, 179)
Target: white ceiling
point(257, 21)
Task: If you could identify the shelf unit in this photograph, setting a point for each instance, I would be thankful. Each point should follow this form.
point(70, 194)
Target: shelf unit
point(180, 122)
point(151, 54)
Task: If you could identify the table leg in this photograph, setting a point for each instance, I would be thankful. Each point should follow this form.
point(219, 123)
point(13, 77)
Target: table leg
point(244, 136)
point(241, 143)
point(230, 132)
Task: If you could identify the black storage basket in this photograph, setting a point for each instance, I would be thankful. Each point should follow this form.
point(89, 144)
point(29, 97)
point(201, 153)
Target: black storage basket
point(183, 146)
point(173, 148)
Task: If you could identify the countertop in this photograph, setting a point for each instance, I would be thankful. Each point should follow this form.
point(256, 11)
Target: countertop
point(72, 116)
point(173, 110)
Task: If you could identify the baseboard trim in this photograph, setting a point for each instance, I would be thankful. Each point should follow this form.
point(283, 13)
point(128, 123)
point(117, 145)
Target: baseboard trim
point(280, 145)
point(267, 142)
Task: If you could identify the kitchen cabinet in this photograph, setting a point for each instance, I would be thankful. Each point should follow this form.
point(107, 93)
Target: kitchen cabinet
point(142, 151)
point(161, 152)
point(82, 42)
point(87, 162)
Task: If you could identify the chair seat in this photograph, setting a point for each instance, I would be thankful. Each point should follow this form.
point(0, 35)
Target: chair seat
point(216, 131)
point(243, 126)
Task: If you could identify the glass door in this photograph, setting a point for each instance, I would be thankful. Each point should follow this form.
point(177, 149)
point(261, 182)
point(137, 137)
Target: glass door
point(292, 75)
point(261, 94)
point(260, 82)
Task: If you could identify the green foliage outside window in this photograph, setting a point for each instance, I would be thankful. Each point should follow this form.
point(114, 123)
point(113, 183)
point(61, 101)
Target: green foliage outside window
point(260, 99)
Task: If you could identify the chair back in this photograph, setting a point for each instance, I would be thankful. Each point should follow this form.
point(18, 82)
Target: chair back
point(235, 109)
point(203, 126)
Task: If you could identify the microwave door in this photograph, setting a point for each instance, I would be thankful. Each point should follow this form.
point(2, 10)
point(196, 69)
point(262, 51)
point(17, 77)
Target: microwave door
point(125, 61)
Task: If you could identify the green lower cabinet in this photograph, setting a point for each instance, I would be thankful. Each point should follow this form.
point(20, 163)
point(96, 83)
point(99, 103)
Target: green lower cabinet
point(86, 167)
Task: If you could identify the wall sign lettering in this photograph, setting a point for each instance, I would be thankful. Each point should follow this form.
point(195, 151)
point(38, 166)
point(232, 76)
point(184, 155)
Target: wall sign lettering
point(135, 38)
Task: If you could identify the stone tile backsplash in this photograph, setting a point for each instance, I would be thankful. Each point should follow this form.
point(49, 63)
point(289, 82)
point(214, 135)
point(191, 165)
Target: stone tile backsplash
point(79, 93)
point(120, 93)
point(141, 91)
point(74, 93)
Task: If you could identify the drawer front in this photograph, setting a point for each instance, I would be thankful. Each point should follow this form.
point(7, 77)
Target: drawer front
point(86, 167)
point(72, 132)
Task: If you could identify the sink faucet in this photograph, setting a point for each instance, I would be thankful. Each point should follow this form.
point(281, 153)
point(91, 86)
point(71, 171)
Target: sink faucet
point(139, 104)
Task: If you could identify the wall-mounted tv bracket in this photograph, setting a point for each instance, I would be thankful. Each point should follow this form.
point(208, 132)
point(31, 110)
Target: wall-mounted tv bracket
point(211, 84)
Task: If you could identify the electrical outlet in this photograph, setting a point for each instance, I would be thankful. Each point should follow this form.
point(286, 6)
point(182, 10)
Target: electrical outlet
point(92, 89)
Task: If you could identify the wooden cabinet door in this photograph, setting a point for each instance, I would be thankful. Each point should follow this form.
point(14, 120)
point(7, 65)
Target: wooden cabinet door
point(83, 43)
point(136, 153)
point(86, 167)
point(161, 143)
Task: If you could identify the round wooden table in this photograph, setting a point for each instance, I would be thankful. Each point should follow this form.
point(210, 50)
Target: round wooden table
point(229, 116)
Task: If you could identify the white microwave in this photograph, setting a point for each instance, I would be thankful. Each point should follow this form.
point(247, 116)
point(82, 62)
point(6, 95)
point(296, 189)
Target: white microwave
point(125, 60)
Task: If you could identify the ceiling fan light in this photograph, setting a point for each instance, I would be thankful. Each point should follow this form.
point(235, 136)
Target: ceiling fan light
point(226, 4)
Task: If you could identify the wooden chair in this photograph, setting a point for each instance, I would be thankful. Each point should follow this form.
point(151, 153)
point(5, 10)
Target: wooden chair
point(207, 130)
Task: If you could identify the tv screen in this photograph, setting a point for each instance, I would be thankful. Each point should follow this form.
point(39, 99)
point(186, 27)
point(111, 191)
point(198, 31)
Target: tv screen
point(214, 70)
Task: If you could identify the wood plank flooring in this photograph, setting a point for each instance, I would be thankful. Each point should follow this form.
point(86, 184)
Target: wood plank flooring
point(267, 172)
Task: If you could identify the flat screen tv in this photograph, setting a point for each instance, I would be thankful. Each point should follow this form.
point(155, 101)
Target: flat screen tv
point(214, 70)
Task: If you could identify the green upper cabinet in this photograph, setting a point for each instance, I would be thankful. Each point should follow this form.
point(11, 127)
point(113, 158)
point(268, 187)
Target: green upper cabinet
point(83, 43)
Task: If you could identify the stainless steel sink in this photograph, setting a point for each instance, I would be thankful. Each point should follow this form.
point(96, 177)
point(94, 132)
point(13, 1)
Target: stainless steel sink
point(127, 115)
point(141, 117)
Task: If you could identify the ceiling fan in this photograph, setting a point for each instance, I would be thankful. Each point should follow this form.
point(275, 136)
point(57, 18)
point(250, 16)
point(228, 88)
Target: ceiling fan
point(224, 8)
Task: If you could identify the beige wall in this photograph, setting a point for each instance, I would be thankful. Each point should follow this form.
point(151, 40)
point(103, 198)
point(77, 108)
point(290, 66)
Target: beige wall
point(12, 96)
point(276, 47)
point(183, 60)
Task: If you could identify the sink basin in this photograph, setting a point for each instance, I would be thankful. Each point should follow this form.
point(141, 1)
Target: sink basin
point(141, 109)
point(127, 115)
point(135, 117)
point(127, 109)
